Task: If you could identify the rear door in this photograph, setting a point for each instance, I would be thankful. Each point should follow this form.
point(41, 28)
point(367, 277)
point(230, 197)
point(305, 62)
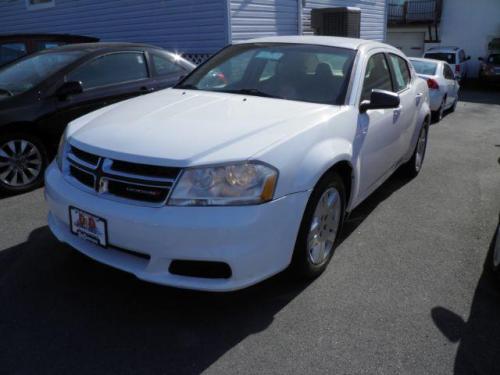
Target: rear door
point(106, 79)
point(378, 134)
point(410, 100)
point(451, 85)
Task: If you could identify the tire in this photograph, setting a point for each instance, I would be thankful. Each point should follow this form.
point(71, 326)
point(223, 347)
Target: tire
point(322, 221)
point(454, 106)
point(23, 159)
point(413, 167)
point(439, 114)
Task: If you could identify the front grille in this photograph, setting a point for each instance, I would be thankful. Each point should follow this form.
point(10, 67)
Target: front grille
point(122, 179)
point(84, 178)
point(85, 156)
point(145, 170)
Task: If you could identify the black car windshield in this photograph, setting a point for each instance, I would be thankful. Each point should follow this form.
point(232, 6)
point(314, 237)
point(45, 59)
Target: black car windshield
point(448, 57)
point(25, 74)
point(424, 67)
point(494, 59)
point(309, 73)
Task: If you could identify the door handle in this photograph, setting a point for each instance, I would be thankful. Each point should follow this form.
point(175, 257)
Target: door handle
point(418, 98)
point(395, 114)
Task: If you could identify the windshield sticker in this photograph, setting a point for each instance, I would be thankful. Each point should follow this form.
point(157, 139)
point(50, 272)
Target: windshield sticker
point(268, 55)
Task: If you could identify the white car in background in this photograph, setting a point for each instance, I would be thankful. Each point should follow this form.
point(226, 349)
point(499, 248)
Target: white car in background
point(455, 56)
point(217, 184)
point(443, 87)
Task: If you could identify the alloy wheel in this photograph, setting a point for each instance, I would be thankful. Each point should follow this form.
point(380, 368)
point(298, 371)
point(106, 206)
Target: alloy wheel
point(324, 226)
point(20, 163)
point(421, 146)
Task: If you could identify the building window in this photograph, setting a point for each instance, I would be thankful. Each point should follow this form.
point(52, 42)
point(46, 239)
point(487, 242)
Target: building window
point(40, 4)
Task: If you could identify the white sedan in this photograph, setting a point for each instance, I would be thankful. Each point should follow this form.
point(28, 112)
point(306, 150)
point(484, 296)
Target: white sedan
point(443, 85)
point(246, 167)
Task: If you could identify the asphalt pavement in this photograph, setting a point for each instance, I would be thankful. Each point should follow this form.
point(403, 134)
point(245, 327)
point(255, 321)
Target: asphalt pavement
point(407, 291)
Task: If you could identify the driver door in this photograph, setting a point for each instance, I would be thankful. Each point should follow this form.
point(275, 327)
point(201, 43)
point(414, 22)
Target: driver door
point(377, 139)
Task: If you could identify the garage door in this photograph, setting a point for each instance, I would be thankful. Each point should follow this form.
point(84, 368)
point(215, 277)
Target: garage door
point(412, 44)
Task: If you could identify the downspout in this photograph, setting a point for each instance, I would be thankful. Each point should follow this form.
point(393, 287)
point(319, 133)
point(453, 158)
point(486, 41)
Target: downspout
point(229, 28)
point(300, 28)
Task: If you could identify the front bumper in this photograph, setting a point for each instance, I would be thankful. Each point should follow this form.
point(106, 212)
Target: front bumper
point(255, 241)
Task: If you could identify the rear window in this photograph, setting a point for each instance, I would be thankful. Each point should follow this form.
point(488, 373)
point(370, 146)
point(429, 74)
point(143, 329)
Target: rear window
point(11, 51)
point(448, 57)
point(424, 67)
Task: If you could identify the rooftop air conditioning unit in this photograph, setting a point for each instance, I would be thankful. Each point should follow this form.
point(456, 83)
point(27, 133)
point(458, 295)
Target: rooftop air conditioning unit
point(341, 21)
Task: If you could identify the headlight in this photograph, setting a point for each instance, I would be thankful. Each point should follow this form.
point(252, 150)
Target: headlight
point(235, 184)
point(61, 151)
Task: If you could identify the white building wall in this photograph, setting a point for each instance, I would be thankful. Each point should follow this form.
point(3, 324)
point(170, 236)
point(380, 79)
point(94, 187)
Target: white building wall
point(471, 25)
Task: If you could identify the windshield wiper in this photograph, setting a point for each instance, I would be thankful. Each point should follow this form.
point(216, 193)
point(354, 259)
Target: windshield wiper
point(254, 92)
point(188, 86)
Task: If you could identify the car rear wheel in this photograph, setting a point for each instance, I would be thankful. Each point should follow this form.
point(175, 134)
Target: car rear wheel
point(320, 227)
point(23, 159)
point(454, 106)
point(439, 114)
point(413, 167)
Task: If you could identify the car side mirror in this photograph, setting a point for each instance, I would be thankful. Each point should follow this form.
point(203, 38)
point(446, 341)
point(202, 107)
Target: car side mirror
point(380, 99)
point(69, 88)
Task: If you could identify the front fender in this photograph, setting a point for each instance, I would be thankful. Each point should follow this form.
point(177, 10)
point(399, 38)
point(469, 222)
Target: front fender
point(305, 171)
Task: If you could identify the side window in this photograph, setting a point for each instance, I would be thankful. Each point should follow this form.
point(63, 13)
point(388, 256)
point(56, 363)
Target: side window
point(401, 73)
point(111, 69)
point(377, 76)
point(11, 51)
point(163, 66)
point(45, 44)
point(448, 73)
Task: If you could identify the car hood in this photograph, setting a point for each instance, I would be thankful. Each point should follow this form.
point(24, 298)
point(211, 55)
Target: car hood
point(186, 127)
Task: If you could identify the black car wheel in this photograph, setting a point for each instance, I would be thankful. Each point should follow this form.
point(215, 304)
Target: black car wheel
point(23, 159)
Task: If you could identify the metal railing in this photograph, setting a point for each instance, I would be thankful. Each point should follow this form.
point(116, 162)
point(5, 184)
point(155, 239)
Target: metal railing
point(414, 11)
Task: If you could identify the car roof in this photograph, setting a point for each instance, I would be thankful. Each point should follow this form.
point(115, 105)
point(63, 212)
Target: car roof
point(332, 41)
point(64, 37)
point(426, 60)
point(443, 49)
point(100, 47)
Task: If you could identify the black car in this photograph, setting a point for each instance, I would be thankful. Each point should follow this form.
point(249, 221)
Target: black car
point(41, 93)
point(15, 46)
point(489, 71)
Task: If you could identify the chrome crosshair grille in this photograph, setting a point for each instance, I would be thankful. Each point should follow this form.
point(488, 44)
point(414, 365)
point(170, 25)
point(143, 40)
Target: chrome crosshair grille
point(121, 179)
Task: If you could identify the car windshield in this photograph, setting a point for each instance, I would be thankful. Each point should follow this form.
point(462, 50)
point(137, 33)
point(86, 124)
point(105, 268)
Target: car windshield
point(448, 57)
point(302, 72)
point(424, 67)
point(30, 71)
point(494, 59)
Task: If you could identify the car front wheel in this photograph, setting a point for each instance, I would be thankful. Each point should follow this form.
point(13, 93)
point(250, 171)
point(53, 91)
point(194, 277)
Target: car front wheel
point(23, 159)
point(320, 227)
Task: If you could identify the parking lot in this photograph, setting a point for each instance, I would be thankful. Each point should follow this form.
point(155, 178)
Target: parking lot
point(406, 292)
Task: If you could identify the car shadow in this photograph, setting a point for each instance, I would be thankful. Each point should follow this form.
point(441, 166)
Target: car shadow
point(475, 92)
point(64, 313)
point(479, 335)
point(360, 213)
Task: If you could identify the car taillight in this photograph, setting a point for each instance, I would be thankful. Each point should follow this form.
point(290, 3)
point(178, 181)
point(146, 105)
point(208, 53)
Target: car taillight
point(457, 68)
point(432, 84)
